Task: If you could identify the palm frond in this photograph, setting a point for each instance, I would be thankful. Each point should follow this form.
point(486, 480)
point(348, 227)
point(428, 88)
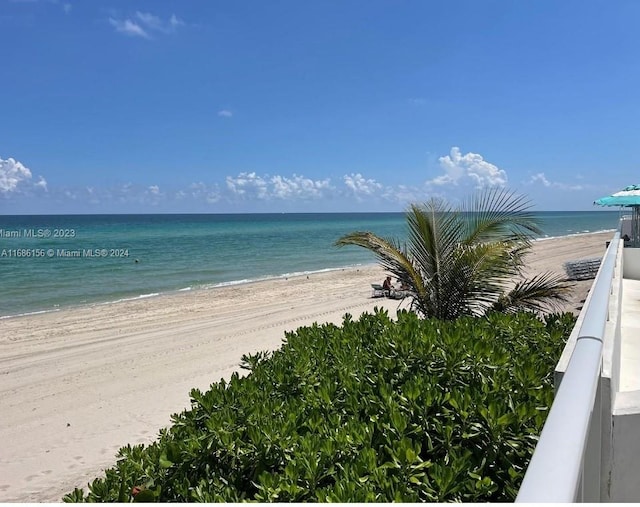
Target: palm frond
point(434, 231)
point(499, 215)
point(481, 274)
point(546, 291)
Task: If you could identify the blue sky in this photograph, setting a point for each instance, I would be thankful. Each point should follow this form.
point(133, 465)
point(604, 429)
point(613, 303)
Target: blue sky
point(290, 106)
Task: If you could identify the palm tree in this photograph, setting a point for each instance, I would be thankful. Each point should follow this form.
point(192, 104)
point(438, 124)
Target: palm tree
point(469, 260)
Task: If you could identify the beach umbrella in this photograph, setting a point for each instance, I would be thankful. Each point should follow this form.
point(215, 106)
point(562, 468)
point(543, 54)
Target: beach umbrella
point(628, 197)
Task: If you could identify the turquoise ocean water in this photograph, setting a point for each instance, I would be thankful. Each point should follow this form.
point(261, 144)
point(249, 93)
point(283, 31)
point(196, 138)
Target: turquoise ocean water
point(52, 262)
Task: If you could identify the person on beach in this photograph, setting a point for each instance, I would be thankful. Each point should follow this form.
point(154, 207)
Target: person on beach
point(403, 285)
point(386, 285)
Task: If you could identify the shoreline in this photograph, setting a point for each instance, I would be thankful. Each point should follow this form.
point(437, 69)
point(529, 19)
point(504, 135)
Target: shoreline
point(234, 283)
point(577, 234)
point(79, 383)
point(170, 292)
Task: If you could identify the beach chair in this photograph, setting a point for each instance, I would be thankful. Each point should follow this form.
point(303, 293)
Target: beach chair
point(399, 294)
point(378, 291)
point(582, 269)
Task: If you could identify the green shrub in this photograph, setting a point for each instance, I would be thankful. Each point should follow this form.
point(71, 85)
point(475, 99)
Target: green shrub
point(374, 410)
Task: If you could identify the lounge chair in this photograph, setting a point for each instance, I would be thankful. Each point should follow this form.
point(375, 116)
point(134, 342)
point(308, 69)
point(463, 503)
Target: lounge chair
point(399, 293)
point(582, 269)
point(379, 291)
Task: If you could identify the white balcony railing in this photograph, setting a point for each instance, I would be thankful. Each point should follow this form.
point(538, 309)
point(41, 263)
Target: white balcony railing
point(566, 464)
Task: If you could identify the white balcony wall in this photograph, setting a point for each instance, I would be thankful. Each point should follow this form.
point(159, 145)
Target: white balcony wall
point(632, 263)
point(625, 470)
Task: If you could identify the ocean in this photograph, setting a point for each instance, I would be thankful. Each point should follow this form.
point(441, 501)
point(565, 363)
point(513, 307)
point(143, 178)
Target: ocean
point(52, 262)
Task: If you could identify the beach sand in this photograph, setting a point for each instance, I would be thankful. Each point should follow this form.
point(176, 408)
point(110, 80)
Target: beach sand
point(77, 384)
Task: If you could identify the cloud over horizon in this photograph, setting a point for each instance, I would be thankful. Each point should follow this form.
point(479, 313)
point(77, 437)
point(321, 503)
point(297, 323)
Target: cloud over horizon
point(544, 181)
point(468, 168)
point(15, 176)
point(249, 191)
point(359, 186)
point(250, 185)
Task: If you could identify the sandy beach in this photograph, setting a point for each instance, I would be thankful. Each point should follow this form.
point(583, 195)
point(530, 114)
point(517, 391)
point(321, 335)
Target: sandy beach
point(77, 384)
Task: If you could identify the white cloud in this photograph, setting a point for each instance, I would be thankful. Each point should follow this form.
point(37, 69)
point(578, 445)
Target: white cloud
point(298, 187)
point(225, 113)
point(542, 179)
point(143, 24)
point(14, 175)
point(248, 185)
point(471, 167)
point(197, 187)
point(359, 185)
point(153, 22)
point(150, 20)
point(126, 193)
point(200, 191)
point(252, 186)
point(41, 183)
point(128, 27)
point(152, 195)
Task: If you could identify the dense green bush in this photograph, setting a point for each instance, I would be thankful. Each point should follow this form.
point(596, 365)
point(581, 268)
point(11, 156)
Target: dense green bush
point(374, 410)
